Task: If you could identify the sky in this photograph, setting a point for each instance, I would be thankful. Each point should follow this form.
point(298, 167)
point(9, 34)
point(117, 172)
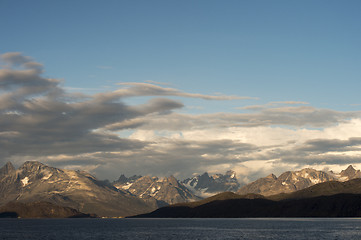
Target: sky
point(181, 87)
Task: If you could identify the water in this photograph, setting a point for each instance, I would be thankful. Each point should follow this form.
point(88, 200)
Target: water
point(281, 228)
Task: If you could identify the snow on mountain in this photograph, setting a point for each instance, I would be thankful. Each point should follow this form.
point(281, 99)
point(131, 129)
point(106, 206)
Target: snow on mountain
point(291, 181)
point(205, 185)
point(348, 174)
point(167, 190)
point(125, 183)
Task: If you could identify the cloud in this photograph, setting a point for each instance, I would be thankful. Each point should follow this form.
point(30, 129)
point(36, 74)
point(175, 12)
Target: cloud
point(41, 119)
point(16, 59)
point(157, 83)
point(332, 145)
point(146, 89)
point(272, 105)
point(288, 116)
point(103, 133)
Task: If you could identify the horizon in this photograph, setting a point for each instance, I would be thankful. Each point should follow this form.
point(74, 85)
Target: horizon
point(179, 88)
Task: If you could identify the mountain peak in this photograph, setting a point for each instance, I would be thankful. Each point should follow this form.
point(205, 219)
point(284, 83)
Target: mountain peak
point(231, 174)
point(272, 176)
point(7, 168)
point(31, 164)
point(205, 175)
point(350, 173)
point(123, 179)
point(350, 168)
point(172, 180)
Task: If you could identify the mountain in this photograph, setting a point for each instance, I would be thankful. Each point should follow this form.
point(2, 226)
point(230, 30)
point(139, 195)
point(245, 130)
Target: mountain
point(34, 181)
point(328, 199)
point(166, 190)
point(123, 182)
point(352, 186)
point(205, 185)
point(289, 181)
point(348, 174)
point(40, 210)
point(8, 168)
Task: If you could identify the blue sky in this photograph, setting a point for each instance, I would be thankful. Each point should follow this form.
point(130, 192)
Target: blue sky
point(279, 53)
point(306, 50)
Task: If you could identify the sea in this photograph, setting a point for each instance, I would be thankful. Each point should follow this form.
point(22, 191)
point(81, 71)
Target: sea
point(179, 229)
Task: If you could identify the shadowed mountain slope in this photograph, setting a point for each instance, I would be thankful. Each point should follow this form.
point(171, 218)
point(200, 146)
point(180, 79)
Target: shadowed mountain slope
point(329, 199)
point(340, 205)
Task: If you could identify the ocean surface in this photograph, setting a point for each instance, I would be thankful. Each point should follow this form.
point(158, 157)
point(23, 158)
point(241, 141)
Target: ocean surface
point(280, 228)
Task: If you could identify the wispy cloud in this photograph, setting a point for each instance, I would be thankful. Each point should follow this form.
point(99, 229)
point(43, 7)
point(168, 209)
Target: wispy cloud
point(146, 89)
point(272, 105)
point(158, 83)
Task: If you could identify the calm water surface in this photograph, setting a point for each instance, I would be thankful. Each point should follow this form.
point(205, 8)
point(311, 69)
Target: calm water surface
point(281, 228)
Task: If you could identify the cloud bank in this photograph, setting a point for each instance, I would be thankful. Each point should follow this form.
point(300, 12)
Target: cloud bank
point(40, 120)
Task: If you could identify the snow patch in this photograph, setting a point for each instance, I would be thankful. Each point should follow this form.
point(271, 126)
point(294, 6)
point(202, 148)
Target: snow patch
point(126, 187)
point(25, 181)
point(284, 183)
point(47, 177)
point(343, 179)
point(315, 181)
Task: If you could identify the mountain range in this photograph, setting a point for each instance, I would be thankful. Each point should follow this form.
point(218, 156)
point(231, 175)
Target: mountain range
point(292, 181)
point(328, 199)
point(78, 192)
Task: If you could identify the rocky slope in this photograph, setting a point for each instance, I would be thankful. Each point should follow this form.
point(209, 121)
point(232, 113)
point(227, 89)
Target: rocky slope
point(166, 190)
point(34, 181)
point(290, 181)
point(205, 185)
point(352, 186)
